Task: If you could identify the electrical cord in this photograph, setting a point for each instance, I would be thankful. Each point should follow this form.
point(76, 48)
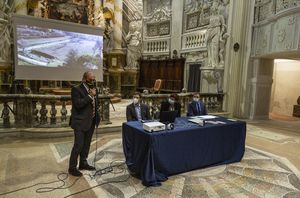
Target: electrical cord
point(62, 177)
point(108, 182)
point(49, 189)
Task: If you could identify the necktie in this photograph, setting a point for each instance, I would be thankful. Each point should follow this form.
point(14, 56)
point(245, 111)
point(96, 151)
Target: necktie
point(138, 112)
point(94, 106)
point(198, 108)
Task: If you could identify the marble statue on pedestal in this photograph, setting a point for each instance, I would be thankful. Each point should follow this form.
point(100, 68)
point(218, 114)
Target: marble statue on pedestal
point(215, 40)
point(133, 40)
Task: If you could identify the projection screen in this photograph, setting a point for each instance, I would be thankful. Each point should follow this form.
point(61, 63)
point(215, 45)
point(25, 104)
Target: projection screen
point(47, 49)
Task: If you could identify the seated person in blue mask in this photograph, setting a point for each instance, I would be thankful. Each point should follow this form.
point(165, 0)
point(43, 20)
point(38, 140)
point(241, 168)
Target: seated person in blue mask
point(137, 111)
point(196, 107)
point(171, 104)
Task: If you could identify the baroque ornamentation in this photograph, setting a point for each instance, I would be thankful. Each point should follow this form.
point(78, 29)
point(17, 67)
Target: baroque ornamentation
point(292, 20)
point(158, 15)
point(281, 35)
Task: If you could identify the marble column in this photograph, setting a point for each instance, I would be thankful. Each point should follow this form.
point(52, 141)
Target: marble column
point(261, 87)
point(177, 17)
point(117, 29)
point(236, 74)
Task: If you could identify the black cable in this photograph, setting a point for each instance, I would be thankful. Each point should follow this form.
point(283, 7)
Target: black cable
point(108, 182)
point(40, 190)
point(61, 177)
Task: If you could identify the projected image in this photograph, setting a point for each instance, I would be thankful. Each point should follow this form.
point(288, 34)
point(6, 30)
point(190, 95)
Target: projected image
point(45, 47)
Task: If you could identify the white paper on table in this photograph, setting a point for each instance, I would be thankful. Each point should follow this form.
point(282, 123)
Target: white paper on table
point(207, 117)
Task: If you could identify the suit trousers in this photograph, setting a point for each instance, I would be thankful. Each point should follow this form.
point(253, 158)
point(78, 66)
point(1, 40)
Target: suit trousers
point(81, 146)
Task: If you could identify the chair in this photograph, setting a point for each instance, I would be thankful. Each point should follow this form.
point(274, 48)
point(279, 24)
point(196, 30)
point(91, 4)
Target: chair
point(157, 86)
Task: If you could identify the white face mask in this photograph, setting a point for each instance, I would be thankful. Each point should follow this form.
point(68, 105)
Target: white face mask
point(171, 101)
point(196, 99)
point(135, 100)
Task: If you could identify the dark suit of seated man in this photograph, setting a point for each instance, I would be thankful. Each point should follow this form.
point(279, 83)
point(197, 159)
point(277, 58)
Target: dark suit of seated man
point(196, 107)
point(137, 111)
point(171, 105)
point(83, 120)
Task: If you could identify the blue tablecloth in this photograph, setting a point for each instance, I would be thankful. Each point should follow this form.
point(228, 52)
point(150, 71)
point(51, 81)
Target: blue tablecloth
point(152, 157)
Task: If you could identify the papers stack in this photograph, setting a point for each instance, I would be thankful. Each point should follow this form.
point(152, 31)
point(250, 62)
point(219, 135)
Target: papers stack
point(199, 121)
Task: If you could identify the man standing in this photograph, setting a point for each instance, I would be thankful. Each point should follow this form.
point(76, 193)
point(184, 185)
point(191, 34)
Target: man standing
point(196, 107)
point(83, 120)
point(137, 111)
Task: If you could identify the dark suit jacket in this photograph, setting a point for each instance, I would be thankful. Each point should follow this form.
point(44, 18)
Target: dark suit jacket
point(131, 114)
point(165, 106)
point(192, 109)
point(82, 109)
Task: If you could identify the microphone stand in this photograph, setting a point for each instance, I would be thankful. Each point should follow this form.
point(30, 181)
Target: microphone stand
point(96, 124)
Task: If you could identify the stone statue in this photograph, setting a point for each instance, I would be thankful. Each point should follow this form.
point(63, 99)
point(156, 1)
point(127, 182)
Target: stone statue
point(133, 40)
point(5, 32)
point(99, 19)
point(215, 30)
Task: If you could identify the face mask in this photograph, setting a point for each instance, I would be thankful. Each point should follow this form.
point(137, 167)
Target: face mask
point(135, 100)
point(171, 101)
point(91, 84)
point(196, 99)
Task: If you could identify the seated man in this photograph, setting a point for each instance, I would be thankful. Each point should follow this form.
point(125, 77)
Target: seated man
point(137, 111)
point(171, 104)
point(196, 107)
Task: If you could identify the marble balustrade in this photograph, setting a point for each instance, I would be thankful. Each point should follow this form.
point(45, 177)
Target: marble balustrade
point(31, 110)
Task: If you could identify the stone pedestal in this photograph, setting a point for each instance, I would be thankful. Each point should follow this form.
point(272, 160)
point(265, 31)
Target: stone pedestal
point(116, 63)
point(129, 83)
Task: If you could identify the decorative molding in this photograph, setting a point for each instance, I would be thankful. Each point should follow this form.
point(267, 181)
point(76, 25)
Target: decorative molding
point(158, 15)
point(281, 35)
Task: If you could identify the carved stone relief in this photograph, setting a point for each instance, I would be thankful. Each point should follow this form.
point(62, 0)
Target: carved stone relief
point(198, 12)
point(286, 4)
point(284, 34)
point(152, 5)
point(263, 39)
point(265, 9)
point(158, 22)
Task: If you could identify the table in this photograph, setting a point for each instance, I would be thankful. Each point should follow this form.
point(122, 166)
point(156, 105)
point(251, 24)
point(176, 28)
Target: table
point(153, 157)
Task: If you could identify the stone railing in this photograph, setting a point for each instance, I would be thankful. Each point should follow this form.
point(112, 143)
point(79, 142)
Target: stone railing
point(157, 46)
point(42, 110)
point(194, 40)
point(213, 102)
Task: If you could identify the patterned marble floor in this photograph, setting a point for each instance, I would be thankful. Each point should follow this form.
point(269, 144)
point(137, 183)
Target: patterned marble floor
point(269, 168)
point(27, 162)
